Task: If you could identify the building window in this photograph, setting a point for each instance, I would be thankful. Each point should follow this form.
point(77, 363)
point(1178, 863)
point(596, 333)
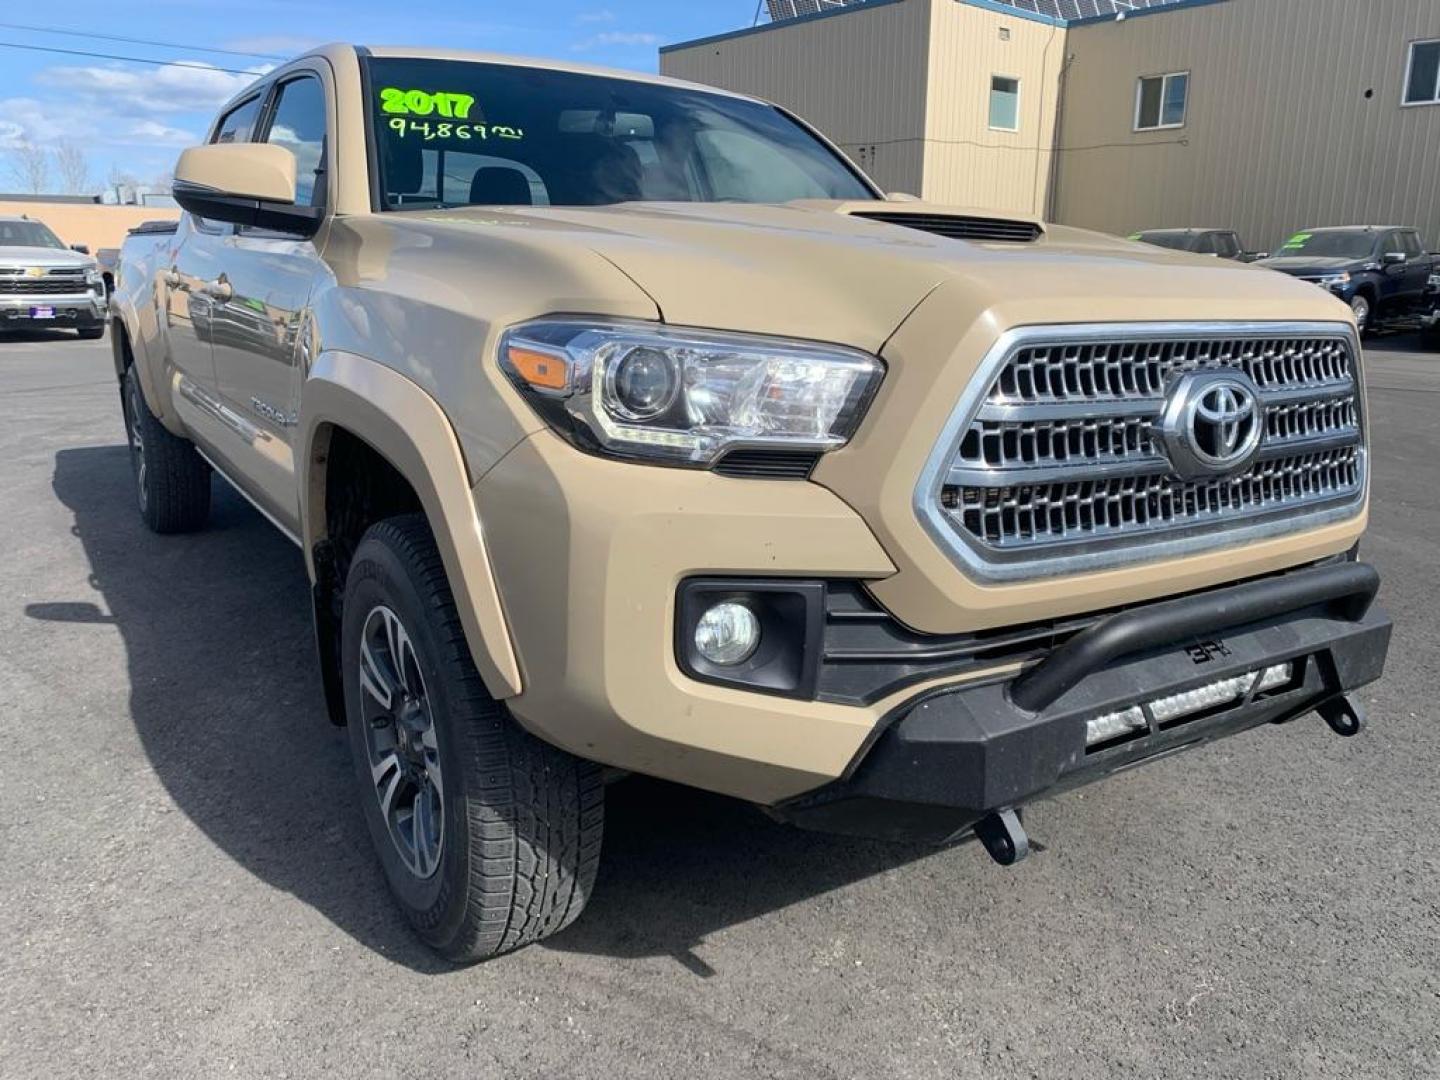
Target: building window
point(1160, 101)
point(1422, 74)
point(1004, 103)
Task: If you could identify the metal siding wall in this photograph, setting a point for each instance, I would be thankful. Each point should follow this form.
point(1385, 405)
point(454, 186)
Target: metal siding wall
point(859, 77)
point(965, 162)
point(1278, 133)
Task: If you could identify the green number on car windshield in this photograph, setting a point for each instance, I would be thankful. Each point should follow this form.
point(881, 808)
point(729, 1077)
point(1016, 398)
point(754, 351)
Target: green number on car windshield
point(401, 102)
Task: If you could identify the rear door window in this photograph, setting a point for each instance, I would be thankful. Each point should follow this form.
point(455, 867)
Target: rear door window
point(238, 125)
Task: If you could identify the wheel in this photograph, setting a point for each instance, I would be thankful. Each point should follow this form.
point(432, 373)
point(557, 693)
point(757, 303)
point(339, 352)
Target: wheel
point(172, 481)
point(91, 333)
point(489, 838)
point(1360, 306)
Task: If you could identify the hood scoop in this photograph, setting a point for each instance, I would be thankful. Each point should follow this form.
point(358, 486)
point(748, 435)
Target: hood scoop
point(960, 226)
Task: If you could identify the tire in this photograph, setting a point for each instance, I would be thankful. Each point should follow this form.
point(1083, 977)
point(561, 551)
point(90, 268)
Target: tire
point(172, 480)
point(91, 333)
point(501, 840)
point(1363, 311)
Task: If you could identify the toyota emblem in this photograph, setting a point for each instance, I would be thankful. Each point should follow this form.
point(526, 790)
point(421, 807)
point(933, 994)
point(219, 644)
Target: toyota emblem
point(1211, 424)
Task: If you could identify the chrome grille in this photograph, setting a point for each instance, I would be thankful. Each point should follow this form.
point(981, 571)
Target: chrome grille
point(1051, 463)
point(41, 287)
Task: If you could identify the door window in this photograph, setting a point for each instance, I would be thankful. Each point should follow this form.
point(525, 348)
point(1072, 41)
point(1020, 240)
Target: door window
point(298, 124)
point(238, 124)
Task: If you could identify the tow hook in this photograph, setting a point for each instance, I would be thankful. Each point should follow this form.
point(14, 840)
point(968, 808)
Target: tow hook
point(1344, 716)
point(1003, 836)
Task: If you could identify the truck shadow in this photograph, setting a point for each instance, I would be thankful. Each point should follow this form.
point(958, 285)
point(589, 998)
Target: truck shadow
point(227, 704)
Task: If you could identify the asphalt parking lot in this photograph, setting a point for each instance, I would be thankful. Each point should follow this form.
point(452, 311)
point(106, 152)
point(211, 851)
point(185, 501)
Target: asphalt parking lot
point(188, 889)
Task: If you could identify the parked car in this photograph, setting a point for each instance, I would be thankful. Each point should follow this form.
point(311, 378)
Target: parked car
point(1222, 243)
point(626, 426)
point(1382, 271)
point(44, 284)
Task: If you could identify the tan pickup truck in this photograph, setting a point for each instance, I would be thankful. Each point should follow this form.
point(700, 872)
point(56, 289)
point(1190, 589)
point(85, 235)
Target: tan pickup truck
point(626, 426)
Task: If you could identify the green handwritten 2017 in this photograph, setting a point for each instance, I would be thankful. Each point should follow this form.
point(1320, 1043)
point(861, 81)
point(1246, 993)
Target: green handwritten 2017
point(423, 103)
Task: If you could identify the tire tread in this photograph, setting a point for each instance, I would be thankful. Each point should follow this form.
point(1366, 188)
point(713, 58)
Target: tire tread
point(535, 813)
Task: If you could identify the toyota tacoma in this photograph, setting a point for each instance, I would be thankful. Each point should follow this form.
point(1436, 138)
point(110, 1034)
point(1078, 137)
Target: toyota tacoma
point(626, 426)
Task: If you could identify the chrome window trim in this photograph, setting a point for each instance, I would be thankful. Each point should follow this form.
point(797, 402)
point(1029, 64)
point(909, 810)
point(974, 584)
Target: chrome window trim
point(1109, 552)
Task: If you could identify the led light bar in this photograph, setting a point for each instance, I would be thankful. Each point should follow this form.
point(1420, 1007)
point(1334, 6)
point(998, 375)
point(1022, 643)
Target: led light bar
point(1113, 725)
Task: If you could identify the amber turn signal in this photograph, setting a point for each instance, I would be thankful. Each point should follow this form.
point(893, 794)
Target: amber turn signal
point(540, 370)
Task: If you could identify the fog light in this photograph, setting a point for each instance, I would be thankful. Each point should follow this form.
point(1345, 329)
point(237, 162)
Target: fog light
point(1113, 725)
point(727, 634)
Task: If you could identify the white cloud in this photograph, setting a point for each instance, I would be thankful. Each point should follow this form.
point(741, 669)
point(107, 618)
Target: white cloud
point(48, 122)
point(601, 16)
point(152, 131)
point(616, 39)
point(170, 89)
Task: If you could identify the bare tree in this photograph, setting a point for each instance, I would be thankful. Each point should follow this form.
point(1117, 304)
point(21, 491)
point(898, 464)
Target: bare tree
point(73, 165)
point(29, 167)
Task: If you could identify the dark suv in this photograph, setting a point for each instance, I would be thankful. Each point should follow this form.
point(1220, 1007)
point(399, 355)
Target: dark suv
point(1222, 243)
point(1381, 271)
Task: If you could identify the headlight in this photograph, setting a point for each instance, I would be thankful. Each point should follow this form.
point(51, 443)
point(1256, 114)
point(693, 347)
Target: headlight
point(93, 276)
point(1435, 281)
point(686, 396)
point(1332, 280)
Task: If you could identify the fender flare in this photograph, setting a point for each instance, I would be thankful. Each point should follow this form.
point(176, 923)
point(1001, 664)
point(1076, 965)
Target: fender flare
point(405, 425)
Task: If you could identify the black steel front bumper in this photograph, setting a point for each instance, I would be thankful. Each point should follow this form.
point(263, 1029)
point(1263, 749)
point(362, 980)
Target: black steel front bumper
point(954, 759)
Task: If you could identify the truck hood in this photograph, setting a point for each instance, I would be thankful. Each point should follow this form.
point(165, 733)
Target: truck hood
point(1313, 265)
point(812, 270)
point(50, 258)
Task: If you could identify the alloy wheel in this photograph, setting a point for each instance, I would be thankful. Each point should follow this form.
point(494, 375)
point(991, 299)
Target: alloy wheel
point(400, 737)
point(133, 405)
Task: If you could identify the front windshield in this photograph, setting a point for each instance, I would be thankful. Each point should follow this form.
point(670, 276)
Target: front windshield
point(28, 234)
point(1343, 245)
point(461, 133)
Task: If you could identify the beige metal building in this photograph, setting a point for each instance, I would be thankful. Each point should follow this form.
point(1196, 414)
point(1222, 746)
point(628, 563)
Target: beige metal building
point(1260, 115)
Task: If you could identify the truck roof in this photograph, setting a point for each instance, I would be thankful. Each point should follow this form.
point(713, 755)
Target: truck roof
point(1357, 228)
point(338, 50)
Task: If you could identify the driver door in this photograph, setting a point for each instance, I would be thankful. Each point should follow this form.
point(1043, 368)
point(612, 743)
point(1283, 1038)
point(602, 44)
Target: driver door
point(260, 319)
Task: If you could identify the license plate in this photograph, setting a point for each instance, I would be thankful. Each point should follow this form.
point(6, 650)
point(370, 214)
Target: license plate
point(42, 312)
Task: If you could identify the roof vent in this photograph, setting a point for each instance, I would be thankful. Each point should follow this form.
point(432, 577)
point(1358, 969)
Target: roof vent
point(961, 226)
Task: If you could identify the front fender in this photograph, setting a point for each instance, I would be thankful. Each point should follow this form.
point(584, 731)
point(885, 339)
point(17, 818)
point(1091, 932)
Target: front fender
point(407, 427)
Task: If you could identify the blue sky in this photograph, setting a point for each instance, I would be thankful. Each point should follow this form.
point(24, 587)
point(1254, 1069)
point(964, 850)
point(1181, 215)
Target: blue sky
point(135, 118)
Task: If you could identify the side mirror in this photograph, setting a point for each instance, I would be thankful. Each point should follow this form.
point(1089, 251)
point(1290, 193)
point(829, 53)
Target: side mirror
point(245, 184)
point(83, 249)
point(1393, 257)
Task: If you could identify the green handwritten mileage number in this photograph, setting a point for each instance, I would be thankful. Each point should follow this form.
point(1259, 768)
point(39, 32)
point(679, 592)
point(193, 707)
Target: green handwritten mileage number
point(424, 103)
point(430, 130)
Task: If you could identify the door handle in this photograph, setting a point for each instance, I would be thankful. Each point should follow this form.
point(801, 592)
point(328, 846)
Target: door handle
point(220, 290)
point(172, 278)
